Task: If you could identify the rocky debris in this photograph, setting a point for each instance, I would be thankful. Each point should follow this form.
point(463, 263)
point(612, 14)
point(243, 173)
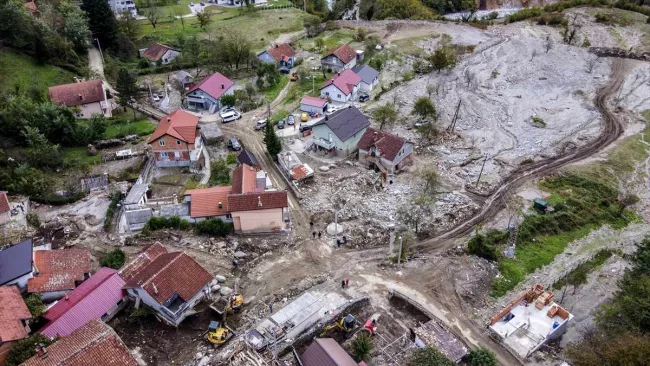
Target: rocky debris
point(215, 288)
point(240, 254)
point(103, 144)
point(225, 291)
point(92, 151)
point(306, 283)
point(334, 229)
point(324, 168)
point(92, 220)
point(220, 278)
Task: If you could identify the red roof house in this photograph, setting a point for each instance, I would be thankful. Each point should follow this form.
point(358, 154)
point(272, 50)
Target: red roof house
point(99, 297)
point(341, 58)
point(58, 272)
point(170, 283)
point(282, 54)
point(207, 94)
point(208, 202)
point(313, 104)
point(14, 315)
point(160, 53)
point(342, 87)
point(93, 344)
point(177, 140)
point(5, 208)
point(326, 352)
point(381, 149)
point(89, 96)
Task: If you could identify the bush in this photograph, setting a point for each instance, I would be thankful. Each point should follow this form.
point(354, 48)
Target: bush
point(110, 211)
point(144, 64)
point(481, 357)
point(231, 159)
point(485, 246)
point(361, 347)
point(429, 357)
point(58, 200)
point(33, 219)
point(228, 100)
point(35, 305)
point(214, 227)
point(493, 15)
point(603, 18)
point(114, 259)
point(157, 223)
point(220, 172)
point(25, 349)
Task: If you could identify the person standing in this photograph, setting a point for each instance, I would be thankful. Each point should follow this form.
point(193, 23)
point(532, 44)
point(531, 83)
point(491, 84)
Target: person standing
point(347, 282)
point(271, 308)
point(342, 283)
point(319, 234)
point(314, 234)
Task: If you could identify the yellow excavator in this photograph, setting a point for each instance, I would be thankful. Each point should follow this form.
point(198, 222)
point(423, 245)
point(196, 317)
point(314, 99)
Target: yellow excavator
point(346, 324)
point(236, 299)
point(218, 331)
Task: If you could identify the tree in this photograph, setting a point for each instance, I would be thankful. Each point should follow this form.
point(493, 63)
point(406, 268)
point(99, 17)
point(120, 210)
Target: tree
point(424, 109)
point(485, 246)
point(268, 76)
point(385, 115)
point(413, 213)
point(429, 357)
point(214, 227)
point(481, 357)
point(152, 14)
point(219, 172)
point(101, 20)
point(25, 349)
point(600, 348)
point(129, 25)
point(236, 49)
point(35, 305)
point(193, 52)
point(178, 13)
point(402, 9)
point(431, 180)
point(320, 43)
point(272, 141)
point(75, 26)
point(41, 152)
point(228, 100)
point(114, 259)
point(128, 91)
point(95, 129)
point(203, 18)
point(124, 47)
point(443, 58)
point(361, 347)
point(313, 26)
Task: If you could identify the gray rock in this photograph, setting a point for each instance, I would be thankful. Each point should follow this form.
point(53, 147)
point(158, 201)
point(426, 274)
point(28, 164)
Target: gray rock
point(204, 361)
point(220, 278)
point(215, 288)
point(225, 291)
point(324, 168)
point(198, 356)
point(334, 229)
point(240, 254)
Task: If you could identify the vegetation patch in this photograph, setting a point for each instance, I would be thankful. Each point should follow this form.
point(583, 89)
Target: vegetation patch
point(538, 122)
point(110, 211)
point(114, 259)
point(214, 227)
point(578, 276)
point(23, 73)
point(118, 128)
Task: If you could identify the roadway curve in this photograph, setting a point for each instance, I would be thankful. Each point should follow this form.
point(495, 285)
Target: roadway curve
point(496, 200)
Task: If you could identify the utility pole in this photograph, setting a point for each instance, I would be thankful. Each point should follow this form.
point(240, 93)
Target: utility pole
point(399, 255)
point(100, 50)
point(452, 125)
point(481, 173)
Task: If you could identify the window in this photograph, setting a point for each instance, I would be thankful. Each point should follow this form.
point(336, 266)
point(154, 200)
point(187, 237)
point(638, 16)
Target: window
point(163, 154)
point(178, 142)
point(161, 142)
point(228, 216)
point(338, 95)
point(177, 154)
point(327, 93)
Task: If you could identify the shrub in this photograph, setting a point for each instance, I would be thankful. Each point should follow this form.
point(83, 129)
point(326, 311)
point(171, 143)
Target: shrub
point(112, 206)
point(409, 76)
point(493, 15)
point(214, 227)
point(114, 259)
point(481, 357)
point(228, 100)
point(33, 219)
point(157, 223)
point(429, 357)
point(219, 172)
point(35, 305)
point(25, 349)
point(58, 200)
point(603, 18)
point(144, 64)
point(231, 159)
point(538, 121)
point(361, 347)
point(485, 246)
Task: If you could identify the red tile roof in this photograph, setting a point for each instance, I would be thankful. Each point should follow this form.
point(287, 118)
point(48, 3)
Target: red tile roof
point(389, 145)
point(4, 203)
point(180, 124)
point(59, 269)
point(312, 101)
point(244, 179)
point(281, 52)
point(171, 273)
point(91, 300)
point(257, 201)
point(205, 202)
point(12, 311)
point(70, 95)
point(344, 81)
point(93, 344)
point(326, 352)
point(147, 255)
point(345, 53)
point(155, 51)
point(214, 85)
point(299, 172)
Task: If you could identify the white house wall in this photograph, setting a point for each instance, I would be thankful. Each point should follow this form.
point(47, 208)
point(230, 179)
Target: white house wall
point(169, 56)
point(335, 94)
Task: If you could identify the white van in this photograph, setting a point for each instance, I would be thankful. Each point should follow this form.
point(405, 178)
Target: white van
point(230, 116)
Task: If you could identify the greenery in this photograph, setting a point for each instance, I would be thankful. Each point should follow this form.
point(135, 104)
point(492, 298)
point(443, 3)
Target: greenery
point(272, 141)
point(114, 259)
point(424, 108)
point(26, 348)
point(119, 128)
point(385, 115)
point(228, 100)
point(112, 206)
point(400, 9)
point(481, 357)
point(553, 8)
point(35, 305)
point(102, 21)
point(33, 219)
point(220, 172)
point(214, 227)
point(22, 74)
point(486, 246)
point(429, 357)
point(578, 276)
point(538, 121)
point(270, 93)
point(127, 88)
point(158, 223)
point(361, 347)
point(443, 58)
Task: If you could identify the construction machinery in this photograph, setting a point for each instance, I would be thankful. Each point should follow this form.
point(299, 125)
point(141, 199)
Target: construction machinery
point(347, 324)
point(294, 77)
point(218, 332)
point(236, 299)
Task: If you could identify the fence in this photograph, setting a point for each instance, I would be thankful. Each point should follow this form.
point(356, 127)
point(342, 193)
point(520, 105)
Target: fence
point(92, 182)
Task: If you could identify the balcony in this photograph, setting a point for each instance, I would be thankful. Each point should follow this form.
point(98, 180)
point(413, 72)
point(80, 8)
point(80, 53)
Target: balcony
point(326, 144)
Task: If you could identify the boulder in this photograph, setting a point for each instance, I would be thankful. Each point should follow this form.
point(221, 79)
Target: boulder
point(324, 168)
point(92, 151)
point(220, 278)
point(225, 291)
point(240, 254)
point(334, 229)
point(215, 288)
point(204, 361)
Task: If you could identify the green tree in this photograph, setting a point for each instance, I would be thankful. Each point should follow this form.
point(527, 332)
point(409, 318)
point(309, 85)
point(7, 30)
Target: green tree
point(361, 347)
point(25, 349)
point(124, 47)
point(152, 13)
point(424, 108)
point(431, 180)
point(128, 91)
point(114, 259)
point(385, 115)
point(443, 58)
point(204, 19)
point(600, 348)
point(41, 152)
point(481, 357)
point(320, 44)
point(75, 26)
point(268, 76)
point(272, 141)
point(219, 172)
point(96, 128)
point(228, 100)
point(402, 9)
point(35, 305)
point(214, 227)
point(413, 213)
point(485, 245)
point(101, 20)
point(129, 25)
point(429, 357)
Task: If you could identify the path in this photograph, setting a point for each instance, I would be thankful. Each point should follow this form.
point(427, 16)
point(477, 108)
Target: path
point(206, 167)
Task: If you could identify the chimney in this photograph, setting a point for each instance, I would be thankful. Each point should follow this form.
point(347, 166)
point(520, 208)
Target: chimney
point(276, 46)
point(259, 201)
point(169, 119)
point(338, 74)
point(67, 297)
point(350, 106)
point(220, 205)
point(81, 97)
point(155, 289)
point(223, 86)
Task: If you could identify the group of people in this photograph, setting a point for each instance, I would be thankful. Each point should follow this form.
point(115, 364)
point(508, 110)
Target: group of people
point(339, 242)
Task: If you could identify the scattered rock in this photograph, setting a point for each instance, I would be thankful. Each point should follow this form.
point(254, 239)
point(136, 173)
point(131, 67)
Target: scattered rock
point(215, 288)
point(324, 168)
point(92, 151)
point(204, 361)
point(334, 229)
point(220, 278)
point(240, 254)
point(225, 291)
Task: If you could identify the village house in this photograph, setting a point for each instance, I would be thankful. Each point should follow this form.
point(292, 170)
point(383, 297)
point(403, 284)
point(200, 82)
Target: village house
point(313, 105)
point(87, 98)
point(170, 283)
point(93, 344)
point(208, 203)
point(177, 140)
point(14, 319)
point(342, 88)
point(159, 54)
point(384, 151)
point(283, 55)
point(99, 297)
point(248, 158)
point(340, 132)
point(369, 77)
point(326, 352)
point(57, 272)
point(340, 59)
point(5, 208)
point(121, 6)
point(207, 95)
point(185, 79)
point(16, 264)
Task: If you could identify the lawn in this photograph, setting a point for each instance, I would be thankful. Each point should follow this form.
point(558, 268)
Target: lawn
point(80, 154)
point(331, 39)
point(272, 93)
point(304, 87)
point(23, 71)
point(119, 129)
point(182, 7)
point(279, 115)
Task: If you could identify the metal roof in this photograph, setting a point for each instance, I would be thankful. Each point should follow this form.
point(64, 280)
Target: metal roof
point(366, 73)
point(345, 123)
point(15, 261)
point(136, 193)
point(326, 352)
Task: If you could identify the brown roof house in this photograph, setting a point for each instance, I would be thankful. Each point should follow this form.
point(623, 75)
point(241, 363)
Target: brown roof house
point(344, 57)
point(159, 54)
point(177, 140)
point(326, 352)
point(93, 344)
point(383, 151)
point(281, 54)
point(170, 283)
point(250, 204)
point(86, 97)
point(14, 317)
point(57, 272)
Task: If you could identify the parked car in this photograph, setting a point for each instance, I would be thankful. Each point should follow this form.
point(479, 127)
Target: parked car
point(191, 3)
point(420, 123)
point(234, 144)
point(226, 110)
point(331, 110)
point(304, 117)
point(285, 70)
point(230, 116)
point(304, 128)
point(155, 97)
point(202, 4)
point(291, 120)
point(260, 124)
point(364, 98)
point(280, 124)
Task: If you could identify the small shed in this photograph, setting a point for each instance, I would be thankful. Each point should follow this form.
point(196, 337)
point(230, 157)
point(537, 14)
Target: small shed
point(326, 352)
point(137, 197)
point(313, 105)
point(185, 79)
point(540, 205)
point(210, 132)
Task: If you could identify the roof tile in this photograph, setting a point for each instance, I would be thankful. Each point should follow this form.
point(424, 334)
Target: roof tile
point(214, 85)
point(345, 81)
point(313, 101)
point(205, 202)
point(155, 51)
point(147, 255)
point(244, 179)
point(257, 201)
point(73, 94)
point(4, 203)
point(59, 270)
point(281, 52)
point(345, 53)
point(12, 311)
point(388, 144)
point(345, 123)
point(179, 124)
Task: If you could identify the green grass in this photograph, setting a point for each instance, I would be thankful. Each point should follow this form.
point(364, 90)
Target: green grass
point(409, 46)
point(118, 129)
point(23, 71)
point(272, 93)
point(579, 274)
point(170, 10)
point(80, 154)
point(304, 87)
point(278, 115)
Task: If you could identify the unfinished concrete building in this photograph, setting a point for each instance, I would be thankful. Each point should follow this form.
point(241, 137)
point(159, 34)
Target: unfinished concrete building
point(529, 321)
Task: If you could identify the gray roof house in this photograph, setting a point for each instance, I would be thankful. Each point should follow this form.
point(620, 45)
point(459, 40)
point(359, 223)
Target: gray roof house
point(184, 77)
point(247, 157)
point(16, 264)
point(369, 76)
point(340, 132)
